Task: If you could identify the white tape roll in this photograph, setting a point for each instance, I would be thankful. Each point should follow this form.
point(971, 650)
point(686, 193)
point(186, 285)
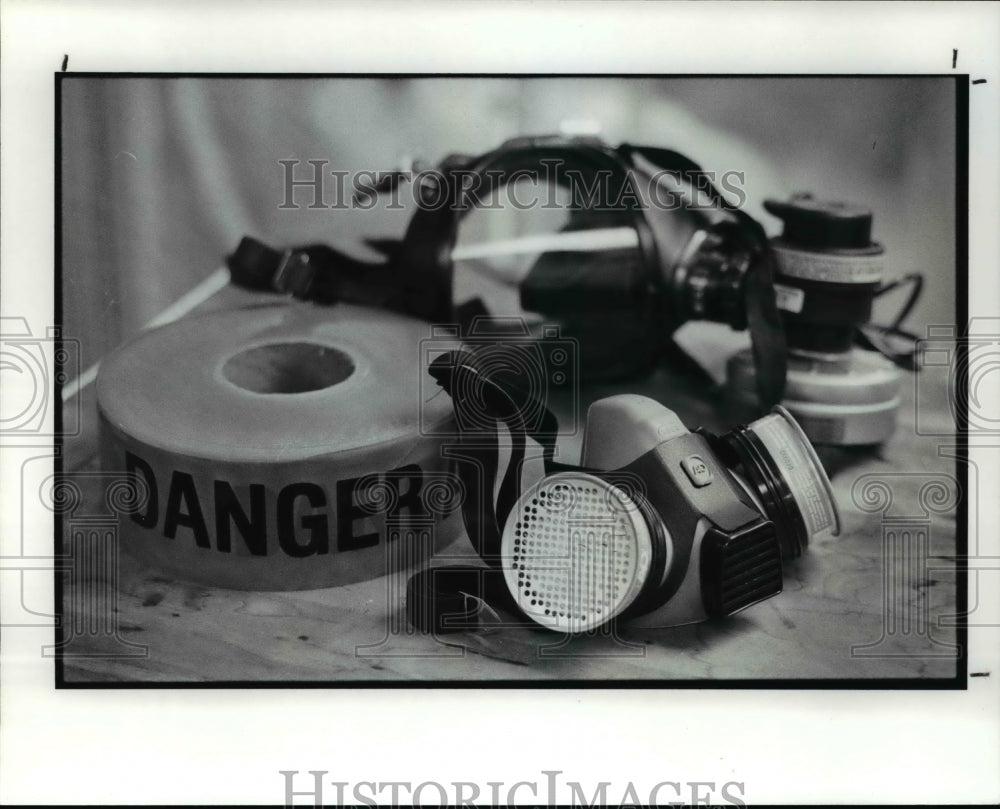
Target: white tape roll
point(282, 447)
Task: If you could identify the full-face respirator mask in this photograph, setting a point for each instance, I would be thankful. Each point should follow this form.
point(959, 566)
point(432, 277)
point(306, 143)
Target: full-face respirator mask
point(648, 243)
point(658, 524)
point(647, 246)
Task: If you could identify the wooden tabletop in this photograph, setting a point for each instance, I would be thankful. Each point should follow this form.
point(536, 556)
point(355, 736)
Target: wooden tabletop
point(876, 603)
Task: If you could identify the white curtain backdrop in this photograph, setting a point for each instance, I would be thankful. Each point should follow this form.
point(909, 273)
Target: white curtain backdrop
point(161, 177)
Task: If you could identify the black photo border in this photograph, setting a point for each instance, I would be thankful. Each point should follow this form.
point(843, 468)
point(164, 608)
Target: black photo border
point(961, 190)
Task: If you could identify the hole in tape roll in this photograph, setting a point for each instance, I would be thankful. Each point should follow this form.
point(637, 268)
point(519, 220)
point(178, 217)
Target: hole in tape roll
point(288, 368)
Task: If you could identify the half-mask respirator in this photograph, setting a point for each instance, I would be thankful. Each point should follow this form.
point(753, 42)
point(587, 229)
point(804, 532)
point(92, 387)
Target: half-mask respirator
point(658, 524)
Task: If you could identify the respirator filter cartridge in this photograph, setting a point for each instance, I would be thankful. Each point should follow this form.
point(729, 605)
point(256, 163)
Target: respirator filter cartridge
point(578, 550)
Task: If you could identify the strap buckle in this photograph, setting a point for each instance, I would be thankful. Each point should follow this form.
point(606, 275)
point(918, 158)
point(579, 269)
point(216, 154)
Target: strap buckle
point(295, 274)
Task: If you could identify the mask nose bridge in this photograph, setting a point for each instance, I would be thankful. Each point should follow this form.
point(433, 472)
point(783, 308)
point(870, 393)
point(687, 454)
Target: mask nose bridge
point(625, 427)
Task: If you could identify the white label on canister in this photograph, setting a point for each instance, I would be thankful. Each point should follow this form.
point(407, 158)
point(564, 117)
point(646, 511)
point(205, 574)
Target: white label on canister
point(829, 267)
point(798, 471)
point(789, 299)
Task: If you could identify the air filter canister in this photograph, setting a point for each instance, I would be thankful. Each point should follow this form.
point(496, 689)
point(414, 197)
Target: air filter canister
point(787, 478)
point(827, 275)
point(579, 551)
point(278, 447)
point(848, 399)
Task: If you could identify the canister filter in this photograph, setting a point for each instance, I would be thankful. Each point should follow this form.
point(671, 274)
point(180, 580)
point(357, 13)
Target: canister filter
point(578, 550)
point(849, 399)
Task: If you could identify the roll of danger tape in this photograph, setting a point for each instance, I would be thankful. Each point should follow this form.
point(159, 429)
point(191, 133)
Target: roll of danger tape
point(279, 447)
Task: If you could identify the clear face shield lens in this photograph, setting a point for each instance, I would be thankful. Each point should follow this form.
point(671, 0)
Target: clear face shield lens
point(529, 244)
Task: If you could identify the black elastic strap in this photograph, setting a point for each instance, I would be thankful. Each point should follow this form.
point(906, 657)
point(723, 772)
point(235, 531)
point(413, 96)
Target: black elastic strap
point(896, 345)
point(891, 341)
point(676, 163)
point(760, 312)
point(311, 272)
point(482, 402)
point(323, 275)
point(443, 599)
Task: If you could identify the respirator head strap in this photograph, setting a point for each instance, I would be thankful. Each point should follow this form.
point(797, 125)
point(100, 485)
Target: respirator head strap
point(674, 162)
point(729, 289)
point(323, 275)
point(767, 335)
point(446, 599)
point(642, 289)
point(483, 402)
point(891, 341)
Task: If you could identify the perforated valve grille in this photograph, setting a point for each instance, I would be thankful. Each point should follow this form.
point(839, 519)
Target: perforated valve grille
point(576, 551)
